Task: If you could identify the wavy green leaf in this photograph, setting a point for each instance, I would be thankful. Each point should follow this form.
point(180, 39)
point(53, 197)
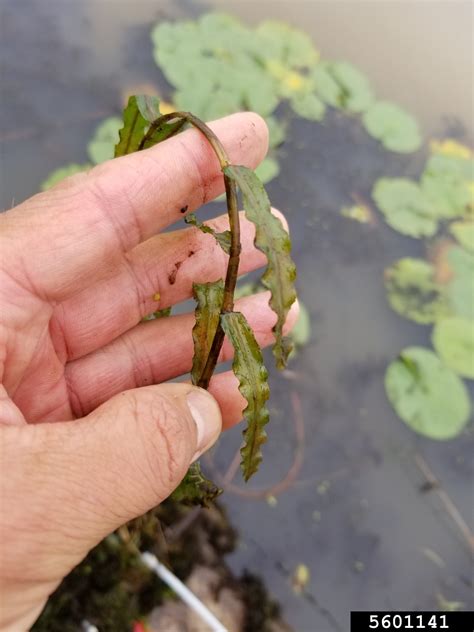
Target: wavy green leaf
point(133, 130)
point(195, 488)
point(140, 112)
point(273, 240)
point(223, 239)
point(252, 375)
point(162, 131)
point(209, 298)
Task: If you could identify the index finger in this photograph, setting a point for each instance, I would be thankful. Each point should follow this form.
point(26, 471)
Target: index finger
point(71, 236)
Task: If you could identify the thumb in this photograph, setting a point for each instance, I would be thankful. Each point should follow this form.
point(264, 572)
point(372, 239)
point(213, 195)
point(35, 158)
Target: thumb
point(69, 484)
point(130, 453)
point(88, 477)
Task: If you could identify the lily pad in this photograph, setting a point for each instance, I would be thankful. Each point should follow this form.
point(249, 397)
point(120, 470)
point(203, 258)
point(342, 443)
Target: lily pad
point(342, 85)
point(427, 395)
point(301, 332)
point(106, 136)
point(461, 288)
point(309, 106)
point(286, 44)
point(267, 170)
point(462, 262)
point(223, 53)
point(453, 339)
point(464, 233)
point(276, 131)
point(405, 207)
point(441, 164)
point(394, 127)
point(445, 183)
point(413, 293)
point(63, 172)
point(325, 84)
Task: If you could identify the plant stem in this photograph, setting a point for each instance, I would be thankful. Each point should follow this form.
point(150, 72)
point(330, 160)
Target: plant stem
point(234, 225)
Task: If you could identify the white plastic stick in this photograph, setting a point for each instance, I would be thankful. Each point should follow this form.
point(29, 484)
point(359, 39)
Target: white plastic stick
point(183, 592)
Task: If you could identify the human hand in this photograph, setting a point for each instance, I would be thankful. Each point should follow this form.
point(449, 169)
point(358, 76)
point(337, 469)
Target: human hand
point(81, 264)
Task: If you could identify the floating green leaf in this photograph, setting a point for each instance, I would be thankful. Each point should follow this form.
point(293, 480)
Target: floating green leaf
point(267, 170)
point(453, 339)
point(63, 172)
point(209, 298)
point(106, 135)
point(273, 240)
point(462, 262)
point(405, 207)
point(413, 292)
point(445, 182)
point(195, 488)
point(440, 165)
point(428, 396)
point(301, 332)
point(226, 57)
point(326, 86)
point(464, 233)
point(356, 93)
point(308, 106)
point(223, 239)
point(342, 85)
point(252, 375)
point(460, 294)
point(461, 287)
point(292, 47)
point(276, 131)
point(395, 128)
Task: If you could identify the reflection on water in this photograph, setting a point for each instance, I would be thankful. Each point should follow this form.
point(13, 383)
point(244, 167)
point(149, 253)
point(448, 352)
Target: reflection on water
point(356, 516)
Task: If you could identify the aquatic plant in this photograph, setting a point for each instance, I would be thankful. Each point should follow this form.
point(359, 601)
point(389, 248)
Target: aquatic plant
point(258, 69)
point(244, 68)
point(143, 127)
point(425, 388)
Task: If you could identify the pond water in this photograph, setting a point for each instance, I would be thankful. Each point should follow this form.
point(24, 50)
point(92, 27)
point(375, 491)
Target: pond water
point(359, 514)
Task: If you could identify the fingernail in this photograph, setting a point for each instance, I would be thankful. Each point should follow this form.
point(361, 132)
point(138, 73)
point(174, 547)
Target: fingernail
point(207, 416)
